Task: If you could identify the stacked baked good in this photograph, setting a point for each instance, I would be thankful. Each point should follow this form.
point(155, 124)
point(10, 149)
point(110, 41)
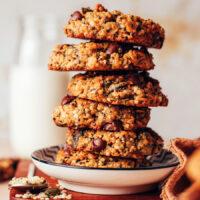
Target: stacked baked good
point(106, 110)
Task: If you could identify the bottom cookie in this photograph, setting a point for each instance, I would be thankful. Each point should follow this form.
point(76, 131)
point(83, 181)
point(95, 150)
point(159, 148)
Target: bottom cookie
point(85, 159)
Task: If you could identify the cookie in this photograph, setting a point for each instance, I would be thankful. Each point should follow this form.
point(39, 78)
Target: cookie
point(101, 24)
point(118, 88)
point(129, 144)
point(91, 56)
point(80, 114)
point(7, 168)
point(86, 159)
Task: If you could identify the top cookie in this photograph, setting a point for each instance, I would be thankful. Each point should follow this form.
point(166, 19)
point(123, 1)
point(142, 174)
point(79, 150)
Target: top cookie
point(101, 24)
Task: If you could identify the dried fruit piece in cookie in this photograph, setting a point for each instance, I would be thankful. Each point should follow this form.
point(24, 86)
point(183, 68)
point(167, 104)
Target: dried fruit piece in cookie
point(118, 88)
point(91, 56)
point(116, 26)
point(81, 113)
point(130, 144)
point(86, 159)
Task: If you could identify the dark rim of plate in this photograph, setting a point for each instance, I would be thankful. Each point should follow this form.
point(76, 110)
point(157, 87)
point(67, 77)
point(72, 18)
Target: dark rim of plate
point(173, 163)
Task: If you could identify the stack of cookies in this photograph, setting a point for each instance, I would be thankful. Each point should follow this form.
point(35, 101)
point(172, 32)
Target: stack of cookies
point(106, 110)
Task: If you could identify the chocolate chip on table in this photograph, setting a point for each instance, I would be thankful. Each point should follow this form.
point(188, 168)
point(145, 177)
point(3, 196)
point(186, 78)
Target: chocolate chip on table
point(67, 99)
point(112, 48)
point(76, 16)
point(98, 144)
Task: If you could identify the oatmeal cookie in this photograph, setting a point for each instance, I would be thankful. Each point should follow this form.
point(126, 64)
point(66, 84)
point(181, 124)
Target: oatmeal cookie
point(86, 159)
point(119, 88)
point(80, 113)
point(129, 144)
point(91, 56)
point(101, 24)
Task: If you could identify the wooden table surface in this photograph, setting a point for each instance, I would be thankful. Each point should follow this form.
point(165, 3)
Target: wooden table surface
point(22, 171)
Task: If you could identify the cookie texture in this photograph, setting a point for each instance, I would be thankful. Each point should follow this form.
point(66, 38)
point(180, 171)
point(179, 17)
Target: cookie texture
point(80, 113)
point(86, 159)
point(101, 24)
point(91, 56)
point(118, 88)
point(129, 144)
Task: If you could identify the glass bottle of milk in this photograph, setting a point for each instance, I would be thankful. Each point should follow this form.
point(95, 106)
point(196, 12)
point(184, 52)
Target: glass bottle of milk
point(35, 91)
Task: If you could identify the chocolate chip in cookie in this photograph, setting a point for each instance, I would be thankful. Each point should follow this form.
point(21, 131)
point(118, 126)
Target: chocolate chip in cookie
point(98, 144)
point(67, 99)
point(76, 16)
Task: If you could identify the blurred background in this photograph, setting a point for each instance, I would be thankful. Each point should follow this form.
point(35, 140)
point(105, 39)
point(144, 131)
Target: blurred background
point(29, 92)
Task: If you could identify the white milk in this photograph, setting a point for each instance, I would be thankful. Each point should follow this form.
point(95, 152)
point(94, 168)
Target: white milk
point(34, 93)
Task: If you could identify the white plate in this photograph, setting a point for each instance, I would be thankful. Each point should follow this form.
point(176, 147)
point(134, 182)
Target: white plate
point(106, 180)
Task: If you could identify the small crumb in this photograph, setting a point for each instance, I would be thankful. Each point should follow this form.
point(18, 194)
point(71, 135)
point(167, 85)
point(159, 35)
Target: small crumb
point(35, 180)
point(49, 193)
